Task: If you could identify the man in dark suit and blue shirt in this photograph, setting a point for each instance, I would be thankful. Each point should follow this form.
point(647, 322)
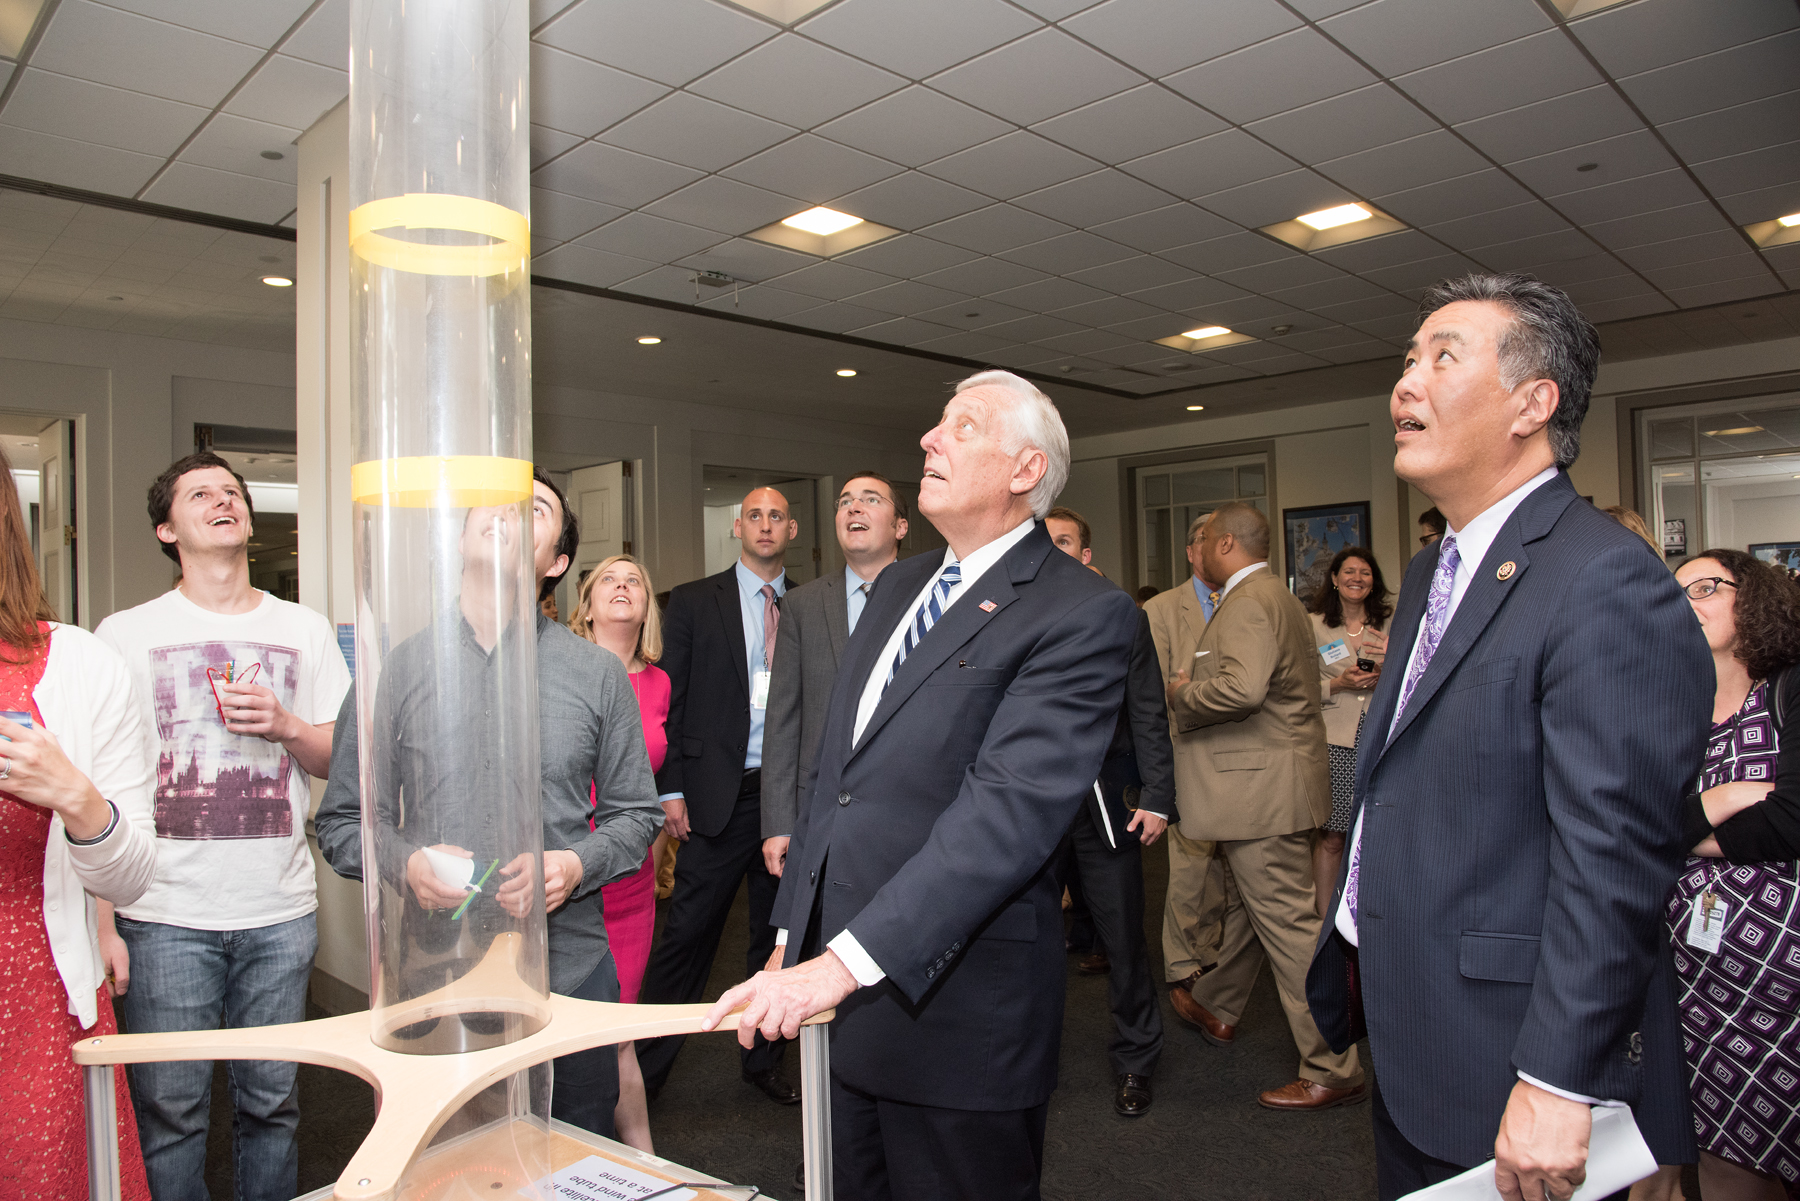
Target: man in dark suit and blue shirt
point(975, 704)
point(1518, 815)
point(719, 638)
point(816, 620)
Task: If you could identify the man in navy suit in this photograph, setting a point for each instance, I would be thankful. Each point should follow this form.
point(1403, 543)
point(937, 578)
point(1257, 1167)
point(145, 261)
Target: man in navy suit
point(1519, 784)
point(975, 703)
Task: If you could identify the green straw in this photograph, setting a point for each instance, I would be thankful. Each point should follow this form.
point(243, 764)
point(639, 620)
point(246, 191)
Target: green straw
point(471, 897)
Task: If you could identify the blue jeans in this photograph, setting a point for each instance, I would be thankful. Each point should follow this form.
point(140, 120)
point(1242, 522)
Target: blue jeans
point(184, 979)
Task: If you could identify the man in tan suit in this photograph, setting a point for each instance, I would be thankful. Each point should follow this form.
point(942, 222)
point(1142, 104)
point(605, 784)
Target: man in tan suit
point(1194, 906)
point(1251, 773)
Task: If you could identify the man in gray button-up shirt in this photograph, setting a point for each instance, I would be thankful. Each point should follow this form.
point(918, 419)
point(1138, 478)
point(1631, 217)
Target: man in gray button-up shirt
point(589, 733)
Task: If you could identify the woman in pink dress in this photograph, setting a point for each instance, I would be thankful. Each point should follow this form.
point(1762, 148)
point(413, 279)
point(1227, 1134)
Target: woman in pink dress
point(617, 610)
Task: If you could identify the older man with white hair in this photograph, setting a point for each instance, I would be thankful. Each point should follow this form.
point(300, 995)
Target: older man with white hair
point(973, 708)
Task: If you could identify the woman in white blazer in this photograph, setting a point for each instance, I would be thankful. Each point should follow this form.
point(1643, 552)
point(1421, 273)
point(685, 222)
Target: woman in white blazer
point(75, 828)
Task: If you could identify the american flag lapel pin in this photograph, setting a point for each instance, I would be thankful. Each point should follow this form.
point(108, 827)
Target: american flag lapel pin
point(988, 606)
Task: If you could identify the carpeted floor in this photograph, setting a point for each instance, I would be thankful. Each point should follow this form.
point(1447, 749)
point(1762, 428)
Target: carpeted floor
point(1205, 1136)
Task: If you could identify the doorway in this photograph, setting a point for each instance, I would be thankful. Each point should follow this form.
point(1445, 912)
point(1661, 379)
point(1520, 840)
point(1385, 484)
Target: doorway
point(42, 453)
point(268, 461)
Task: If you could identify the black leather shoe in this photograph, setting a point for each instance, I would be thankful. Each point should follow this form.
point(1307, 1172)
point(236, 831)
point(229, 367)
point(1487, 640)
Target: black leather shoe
point(774, 1087)
point(1133, 1098)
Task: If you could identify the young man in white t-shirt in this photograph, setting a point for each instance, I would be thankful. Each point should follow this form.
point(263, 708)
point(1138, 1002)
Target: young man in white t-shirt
point(242, 690)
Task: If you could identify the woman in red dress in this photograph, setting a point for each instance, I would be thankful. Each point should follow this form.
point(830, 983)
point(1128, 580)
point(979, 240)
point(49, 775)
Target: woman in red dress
point(617, 610)
point(75, 825)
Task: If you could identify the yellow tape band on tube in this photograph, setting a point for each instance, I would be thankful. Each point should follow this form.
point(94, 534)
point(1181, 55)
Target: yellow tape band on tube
point(430, 210)
point(441, 481)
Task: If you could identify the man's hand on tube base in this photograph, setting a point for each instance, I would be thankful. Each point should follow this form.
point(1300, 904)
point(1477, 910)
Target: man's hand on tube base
point(776, 1002)
point(1542, 1148)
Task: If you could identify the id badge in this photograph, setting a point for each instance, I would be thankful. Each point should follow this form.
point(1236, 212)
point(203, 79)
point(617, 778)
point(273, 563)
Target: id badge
point(759, 688)
point(1334, 652)
point(1706, 922)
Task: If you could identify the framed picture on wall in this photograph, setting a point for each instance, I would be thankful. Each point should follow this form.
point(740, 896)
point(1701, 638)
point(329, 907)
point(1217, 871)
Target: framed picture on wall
point(1782, 554)
point(1312, 536)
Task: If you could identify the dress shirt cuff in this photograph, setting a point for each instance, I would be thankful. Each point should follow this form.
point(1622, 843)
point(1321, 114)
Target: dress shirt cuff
point(670, 796)
point(1569, 1096)
point(856, 959)
point(781, 937)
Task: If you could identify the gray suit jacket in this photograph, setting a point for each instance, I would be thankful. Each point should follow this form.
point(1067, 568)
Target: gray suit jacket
point(815, 624)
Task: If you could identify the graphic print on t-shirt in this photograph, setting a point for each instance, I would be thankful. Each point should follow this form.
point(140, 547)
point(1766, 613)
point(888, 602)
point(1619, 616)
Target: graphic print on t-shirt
point(211, 783)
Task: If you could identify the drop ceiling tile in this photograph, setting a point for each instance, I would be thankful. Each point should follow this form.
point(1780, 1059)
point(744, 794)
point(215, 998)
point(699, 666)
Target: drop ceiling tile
point(1036, 77)
point(238, 144)
point(595, 171)
point(1212, 164)
point(1736, 130)
point(72, 163)
point(1394, 329)
point(1409, 276)
point(205, 190)
point(1501, 78)
point(1087, 341)
point(762, 301)
point(291, 92)
point(903, 331)
point(1411, 163)
point(1190, 294)
point(914, 127)
point(837, 281)
point(838, 318)
point(585, 265)
point(1677, 251)
point(546, 144)
point(813, 169)
point(325, 38)
point(1725, 291)
point(1588, 269)
point(636, 37)
point(74, 108)
point(1132, 275)
point(912, 201)
point(563, 217)
point(1596, 291)
point(695, 132)
point(1621, 310)
point(1764, 204)
point(1666, 189)
point(908, 256)
point(255, 24)
point(1311, 341)
point(1134, 353)
point(1664, 225)
point(1397, 36)
point(1502, 225)
point(1162, 36)
point(1034, 328)
point(1020, 357)
point(974, 346)
point(1148, 329)
point(725, 205)
point(1551, 125)
point(1356, 352)
point(1701, 85)
point(750, 261)
point(1529, 254)
point(1092, 199)
point(1744, 264)
point(104, 45)
point(1613, 160)
point(996, 228)
point(1343, 290)
point(1234, 250)
point(1389, 250)
point(798, 82)
point(982, 276)
point(1359, 120)
point(1464, 196)
point(1285, 72)
point(1767, 167)
point(581, 97)
point(1109, 310)
point(643, 236)
point(1361, 310)
point(1631, 38)
point(1131, 124)
point(1012, 165)
point(906, 297)
point(1279, 199)
point(972, 314)
point(1069, 252)
point(918, 37)
point(1283, 273)
point(1049, 294)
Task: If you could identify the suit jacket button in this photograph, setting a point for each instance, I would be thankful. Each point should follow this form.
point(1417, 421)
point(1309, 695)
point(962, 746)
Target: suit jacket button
point(843, 798)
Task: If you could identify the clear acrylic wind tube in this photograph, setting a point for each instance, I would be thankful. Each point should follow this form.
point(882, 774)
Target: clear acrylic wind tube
point(447, 715)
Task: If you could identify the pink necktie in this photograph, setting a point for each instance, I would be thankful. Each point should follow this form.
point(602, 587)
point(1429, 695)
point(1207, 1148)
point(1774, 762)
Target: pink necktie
point(771, 619)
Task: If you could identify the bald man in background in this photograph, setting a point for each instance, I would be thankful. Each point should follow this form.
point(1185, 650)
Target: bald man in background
point(719, 638)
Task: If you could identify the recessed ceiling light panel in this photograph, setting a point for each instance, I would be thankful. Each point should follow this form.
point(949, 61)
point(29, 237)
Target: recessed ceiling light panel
point(1203, 338)
point(1343, 214)
point(1782, 231)
point(1204, 332)
point(1333, 227)
point(821, 221)
point(823, 232)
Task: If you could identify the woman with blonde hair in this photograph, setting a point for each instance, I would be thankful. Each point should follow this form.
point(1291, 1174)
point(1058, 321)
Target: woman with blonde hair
point(617, 610)
point(75, 829)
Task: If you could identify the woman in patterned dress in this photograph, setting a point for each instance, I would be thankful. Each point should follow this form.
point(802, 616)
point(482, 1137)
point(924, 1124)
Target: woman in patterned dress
point(1734, 914)
point(75, 828)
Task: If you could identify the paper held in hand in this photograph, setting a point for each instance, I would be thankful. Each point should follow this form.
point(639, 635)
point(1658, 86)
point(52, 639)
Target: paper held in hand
point(1617, 1159)
point(597, 1179)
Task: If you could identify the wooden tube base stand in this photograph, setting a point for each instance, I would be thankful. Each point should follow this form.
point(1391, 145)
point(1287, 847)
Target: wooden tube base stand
point(434, 1086)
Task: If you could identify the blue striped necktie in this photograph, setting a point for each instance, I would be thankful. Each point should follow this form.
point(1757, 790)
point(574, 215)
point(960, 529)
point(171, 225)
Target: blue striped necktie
point(927, 616)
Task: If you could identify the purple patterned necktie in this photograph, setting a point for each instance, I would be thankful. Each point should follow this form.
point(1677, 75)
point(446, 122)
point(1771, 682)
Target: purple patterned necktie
point(1437, 618)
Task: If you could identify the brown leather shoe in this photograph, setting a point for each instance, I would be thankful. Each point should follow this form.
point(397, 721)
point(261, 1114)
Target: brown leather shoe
point(1096, 964)
point(1194, 1014)
point(1306, 1094)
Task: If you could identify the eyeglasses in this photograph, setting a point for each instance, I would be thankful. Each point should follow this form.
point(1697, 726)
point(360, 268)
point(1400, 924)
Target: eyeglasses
point(1428, 539)
point(868, 500)
point(1705, 586)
